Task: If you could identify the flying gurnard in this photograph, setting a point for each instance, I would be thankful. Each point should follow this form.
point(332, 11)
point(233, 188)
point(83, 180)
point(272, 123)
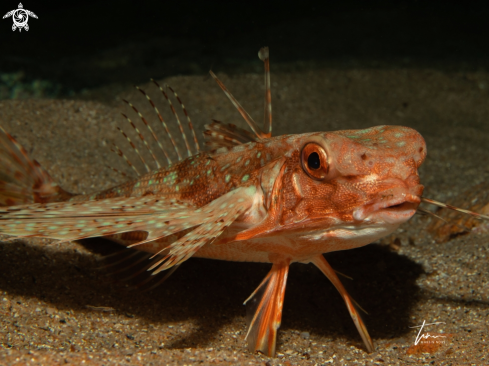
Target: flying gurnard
point(248, 197)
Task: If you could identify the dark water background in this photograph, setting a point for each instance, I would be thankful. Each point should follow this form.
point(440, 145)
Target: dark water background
point(79, 45)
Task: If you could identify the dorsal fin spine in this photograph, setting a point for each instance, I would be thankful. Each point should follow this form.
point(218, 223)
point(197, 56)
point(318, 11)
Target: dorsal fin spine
point(253, 125)
point(264, 55)
point(141, 137)
point(134, 148)
point(190, 125)
point(162, 122)
point(180, 127)
point(119, 152)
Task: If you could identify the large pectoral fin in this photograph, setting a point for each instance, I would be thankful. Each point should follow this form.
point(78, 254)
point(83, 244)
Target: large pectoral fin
point(329, 272)
point(264, 310)
point(210, 221)
point(158, 216)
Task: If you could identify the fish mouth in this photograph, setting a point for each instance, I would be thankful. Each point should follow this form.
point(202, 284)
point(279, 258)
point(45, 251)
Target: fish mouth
point(392, 209)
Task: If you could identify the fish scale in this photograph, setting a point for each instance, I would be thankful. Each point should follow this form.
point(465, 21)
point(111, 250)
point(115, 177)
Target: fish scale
point(249, 197)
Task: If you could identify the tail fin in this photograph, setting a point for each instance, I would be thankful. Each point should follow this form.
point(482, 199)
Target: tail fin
point(22, 180)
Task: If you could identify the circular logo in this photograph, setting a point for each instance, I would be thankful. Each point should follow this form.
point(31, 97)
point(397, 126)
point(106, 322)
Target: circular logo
point(20, 17)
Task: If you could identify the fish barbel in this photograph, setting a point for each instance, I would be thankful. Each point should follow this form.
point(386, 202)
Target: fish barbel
point(248, 197)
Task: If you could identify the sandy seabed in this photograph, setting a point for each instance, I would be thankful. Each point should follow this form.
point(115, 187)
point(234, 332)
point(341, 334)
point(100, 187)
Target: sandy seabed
point(56, 307)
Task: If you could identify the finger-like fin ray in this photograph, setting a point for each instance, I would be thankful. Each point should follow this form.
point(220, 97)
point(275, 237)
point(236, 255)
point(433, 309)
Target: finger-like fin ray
point(324, 267)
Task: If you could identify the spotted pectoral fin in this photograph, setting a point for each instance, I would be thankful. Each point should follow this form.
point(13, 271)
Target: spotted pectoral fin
point(213, 219)
point(264, 310)
point(218, 135)
point(159, 217)
point(74, 220)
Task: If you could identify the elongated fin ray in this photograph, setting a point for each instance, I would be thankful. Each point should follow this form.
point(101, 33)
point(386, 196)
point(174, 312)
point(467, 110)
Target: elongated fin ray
point(156, 282)
point(264, 309)
point(116, 149)
point(135, 149)
point(253, 125)
point(132, 259)
point(117, 171)
point(190, 125)
point(150, 130)
point(264, 55)
point(165, 126)
point(141, 135)
point(129, 267)
point(180, 127)
point(111, 260)
point(324, 267)
point(444, 205)
point(429, 213)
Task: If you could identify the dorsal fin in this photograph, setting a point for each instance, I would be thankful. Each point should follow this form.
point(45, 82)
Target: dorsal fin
point(180, 127)
point(134, 148)
point(266, 133)
point(158, 141)
point(190, 125)
point(121, 154)
point(264, 55)
point(218, 134)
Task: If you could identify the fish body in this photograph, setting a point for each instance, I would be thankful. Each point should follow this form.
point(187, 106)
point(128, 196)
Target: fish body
point(251, 197)
point(368, 172)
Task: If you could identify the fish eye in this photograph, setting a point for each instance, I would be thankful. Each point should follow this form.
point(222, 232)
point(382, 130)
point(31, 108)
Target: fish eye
point(315, 161)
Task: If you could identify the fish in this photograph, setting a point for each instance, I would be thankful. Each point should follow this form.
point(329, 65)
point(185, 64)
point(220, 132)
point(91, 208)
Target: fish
point(247, 196)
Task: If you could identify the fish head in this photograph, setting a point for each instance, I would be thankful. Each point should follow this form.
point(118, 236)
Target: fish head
point(363, 181)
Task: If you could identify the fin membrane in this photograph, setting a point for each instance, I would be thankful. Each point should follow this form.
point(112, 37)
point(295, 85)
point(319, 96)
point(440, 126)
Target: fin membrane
point(22, 180)
point(130, 267)
point(218, 135)
point(159, 217)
